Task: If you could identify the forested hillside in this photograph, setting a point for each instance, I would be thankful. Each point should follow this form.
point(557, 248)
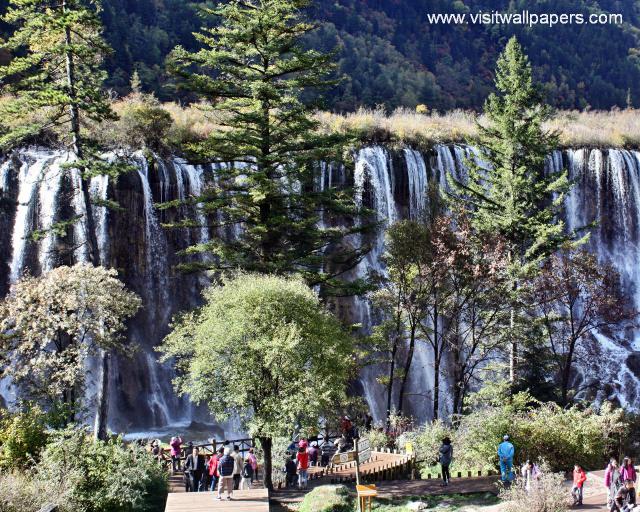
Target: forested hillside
point(390, 55)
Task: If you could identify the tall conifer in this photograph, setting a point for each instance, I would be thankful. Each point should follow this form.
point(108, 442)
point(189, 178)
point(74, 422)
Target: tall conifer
point(509, 191)
point(253, 69)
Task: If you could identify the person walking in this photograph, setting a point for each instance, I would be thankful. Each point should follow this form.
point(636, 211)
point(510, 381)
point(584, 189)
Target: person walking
point(612, 480)
point(237, 468)
point(445, 458)
point(291, 471)
point(627, 471)
point(302, 465)
point(247, 475)
point(195, 466)
point(625, 498)
point(226, 465)
point(313, 454)
point(254, 464)
point(579, 478)
point(212, 466)
point(530, 473)
point(175, 446)
point(506, 452)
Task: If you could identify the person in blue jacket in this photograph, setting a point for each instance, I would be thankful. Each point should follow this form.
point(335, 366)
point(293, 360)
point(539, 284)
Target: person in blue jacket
point(505, 454)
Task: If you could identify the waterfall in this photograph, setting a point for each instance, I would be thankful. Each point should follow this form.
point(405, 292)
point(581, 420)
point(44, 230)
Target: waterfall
point(48, 202)
point(99, 189)
point(417, 172)
point(30, 175)
point(392, 183)
point(196, 182)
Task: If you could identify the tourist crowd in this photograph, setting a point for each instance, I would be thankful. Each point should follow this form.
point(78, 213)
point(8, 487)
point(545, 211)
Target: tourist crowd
point(619, 480)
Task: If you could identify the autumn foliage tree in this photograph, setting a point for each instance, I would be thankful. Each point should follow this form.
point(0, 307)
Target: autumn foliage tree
point(50, 325)
point(477, 311)
point(574, 297)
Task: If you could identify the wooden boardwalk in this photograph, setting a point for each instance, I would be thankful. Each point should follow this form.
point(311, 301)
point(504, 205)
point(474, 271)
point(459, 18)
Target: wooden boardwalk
point(254, 500)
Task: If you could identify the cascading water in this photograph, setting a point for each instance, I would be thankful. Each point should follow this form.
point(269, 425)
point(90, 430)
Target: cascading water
point(393, 183)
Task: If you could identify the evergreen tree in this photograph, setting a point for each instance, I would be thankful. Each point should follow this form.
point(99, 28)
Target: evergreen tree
point(253, 69)
point(508, 191)
point(53, 84)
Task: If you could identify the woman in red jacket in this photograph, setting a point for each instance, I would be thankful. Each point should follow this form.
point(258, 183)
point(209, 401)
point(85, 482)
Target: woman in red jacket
point(303, 466)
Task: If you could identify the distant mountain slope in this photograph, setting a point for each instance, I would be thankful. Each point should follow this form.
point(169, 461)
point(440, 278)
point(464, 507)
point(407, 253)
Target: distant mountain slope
point(390, 55)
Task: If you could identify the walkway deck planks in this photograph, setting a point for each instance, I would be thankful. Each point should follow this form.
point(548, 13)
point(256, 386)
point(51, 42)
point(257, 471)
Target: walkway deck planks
point(254, 500)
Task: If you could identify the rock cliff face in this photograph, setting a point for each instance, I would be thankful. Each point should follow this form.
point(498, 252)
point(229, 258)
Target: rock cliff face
point(34, 192)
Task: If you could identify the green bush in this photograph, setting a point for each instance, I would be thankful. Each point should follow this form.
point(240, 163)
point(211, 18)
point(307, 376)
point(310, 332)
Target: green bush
point(23, 435)
point(142, 123)
point(103, 476)
point(327, 498)
point(426, 441)
point(540, 431)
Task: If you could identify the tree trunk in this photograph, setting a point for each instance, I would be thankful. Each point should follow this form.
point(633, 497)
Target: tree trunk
point(566, 372)
point(513, 350)
point(266, 444)
point(407, 367)
point(100, 429)
point(102, 407)
point(436, 363)
point(392, 369)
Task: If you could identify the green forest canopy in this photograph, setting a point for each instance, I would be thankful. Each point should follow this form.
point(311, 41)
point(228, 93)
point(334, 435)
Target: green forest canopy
point(391, 56)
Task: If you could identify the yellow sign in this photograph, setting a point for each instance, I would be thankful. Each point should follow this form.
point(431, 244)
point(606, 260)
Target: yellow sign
point(408, 448)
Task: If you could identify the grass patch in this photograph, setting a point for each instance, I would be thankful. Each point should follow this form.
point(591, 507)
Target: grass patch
point(140, 122)
point(615, 128)
point(450, 503)
point(332, 498)
point(327, 498)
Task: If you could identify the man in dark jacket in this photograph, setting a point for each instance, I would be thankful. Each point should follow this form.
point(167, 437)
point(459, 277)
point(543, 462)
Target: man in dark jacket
point(291, 470)
point(625, 498)
point(195, 467)
point(225, 469)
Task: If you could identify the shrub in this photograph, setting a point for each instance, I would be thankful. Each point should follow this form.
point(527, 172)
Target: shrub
point(426, 441)
point(327, 498)
point(22, 437)
point(548, 494)
point(103, 476)
point(143, 122)
point(26, 492)
point(563, 437)
point(378, 438)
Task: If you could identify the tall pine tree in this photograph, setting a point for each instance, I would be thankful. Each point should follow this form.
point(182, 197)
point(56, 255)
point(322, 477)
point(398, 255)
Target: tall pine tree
point(252, 69)
point(53, 83)
point(509, 193)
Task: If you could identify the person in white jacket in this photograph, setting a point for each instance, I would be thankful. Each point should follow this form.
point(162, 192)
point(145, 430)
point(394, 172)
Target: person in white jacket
point(237, 467)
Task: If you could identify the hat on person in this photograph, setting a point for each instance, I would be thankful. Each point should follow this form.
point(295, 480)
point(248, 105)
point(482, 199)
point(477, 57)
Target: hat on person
point(227, 451)
point(506, 437)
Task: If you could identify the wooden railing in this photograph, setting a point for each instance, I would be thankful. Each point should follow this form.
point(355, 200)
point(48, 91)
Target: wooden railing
point(403, 467)
point(244, 445)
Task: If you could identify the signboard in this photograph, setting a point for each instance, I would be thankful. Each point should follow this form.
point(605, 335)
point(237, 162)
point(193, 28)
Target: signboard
point(343, 458)
point(408, 448)
point(364, 454)
point(364, 450)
